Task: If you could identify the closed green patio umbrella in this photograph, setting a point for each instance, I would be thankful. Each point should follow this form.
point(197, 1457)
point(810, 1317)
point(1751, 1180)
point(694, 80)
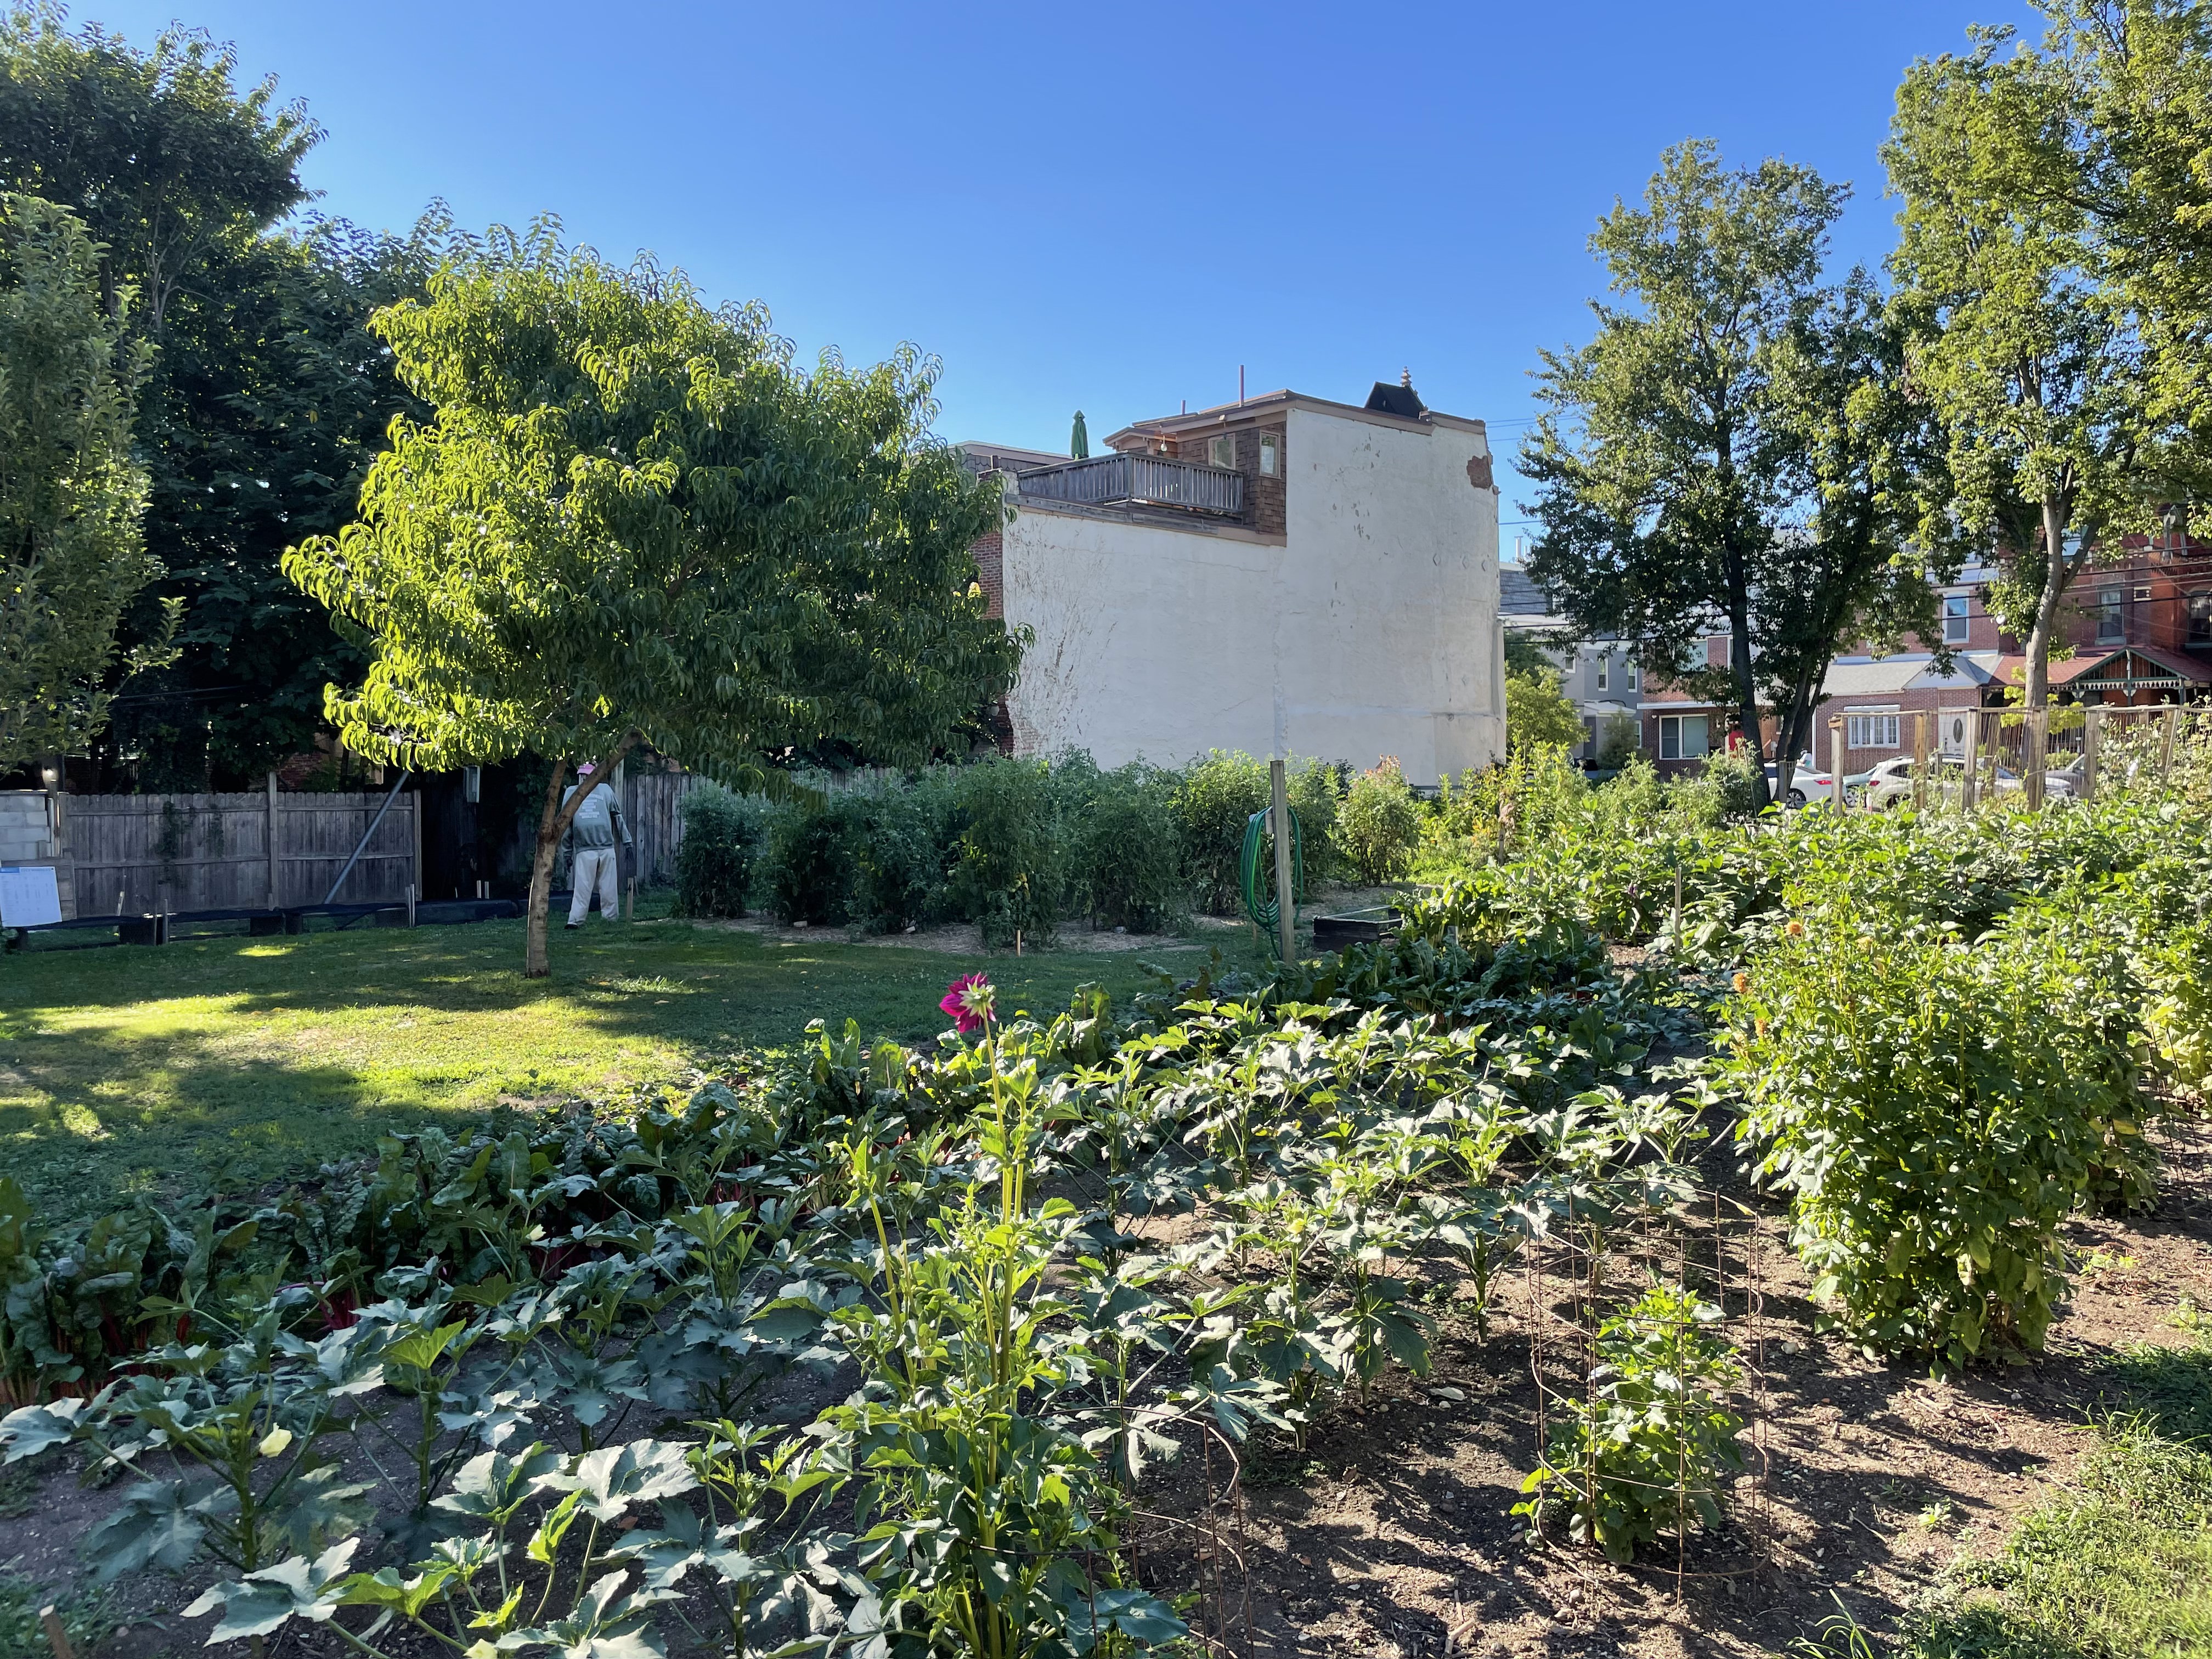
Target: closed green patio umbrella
point(1078, 444)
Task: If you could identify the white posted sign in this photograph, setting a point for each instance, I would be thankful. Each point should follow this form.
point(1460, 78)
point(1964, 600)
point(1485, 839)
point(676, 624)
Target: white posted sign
point(29, 896)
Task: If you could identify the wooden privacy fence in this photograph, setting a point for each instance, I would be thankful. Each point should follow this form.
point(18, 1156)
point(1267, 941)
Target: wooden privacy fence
point(144, 855)
point(652, 803)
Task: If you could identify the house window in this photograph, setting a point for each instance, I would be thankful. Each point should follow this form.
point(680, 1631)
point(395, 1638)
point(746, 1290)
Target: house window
point(2142, 594)
point(2200, 619)
point(2112, 626)
point(1270, 453)
point(1628, 669)
point(1222, 451)
point(1870, 731)
point(1682, 737)
point(1603, 665)
point(1955, 618)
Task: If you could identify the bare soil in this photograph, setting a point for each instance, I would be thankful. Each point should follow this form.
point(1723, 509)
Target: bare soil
point(1391, 1534)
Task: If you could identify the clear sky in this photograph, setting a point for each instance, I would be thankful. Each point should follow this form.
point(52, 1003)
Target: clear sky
point(1102, 208)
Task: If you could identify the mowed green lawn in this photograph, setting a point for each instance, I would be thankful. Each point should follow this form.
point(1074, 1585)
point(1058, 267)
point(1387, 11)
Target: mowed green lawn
point(228, 1063)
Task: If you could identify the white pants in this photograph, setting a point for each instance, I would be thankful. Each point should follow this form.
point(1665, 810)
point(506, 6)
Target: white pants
point(594, 867)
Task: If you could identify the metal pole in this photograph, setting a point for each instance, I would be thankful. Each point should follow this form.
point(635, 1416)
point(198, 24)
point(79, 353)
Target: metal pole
point(1286, 917)
point(272, 841)
point(405, 773)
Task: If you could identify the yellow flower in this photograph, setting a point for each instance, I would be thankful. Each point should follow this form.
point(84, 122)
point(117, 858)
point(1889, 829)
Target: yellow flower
point(1743, 983)
point(274, 1440)
point(1795, 930)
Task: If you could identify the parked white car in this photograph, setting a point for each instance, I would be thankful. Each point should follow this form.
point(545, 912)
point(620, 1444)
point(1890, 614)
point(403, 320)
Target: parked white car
point(1807, 781)
point(1890, 784)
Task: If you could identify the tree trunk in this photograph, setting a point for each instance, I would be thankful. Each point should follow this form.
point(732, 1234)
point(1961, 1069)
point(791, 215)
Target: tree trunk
point(2036, 690)
point(1746, 686)
point(553, 822)
point(536, 964)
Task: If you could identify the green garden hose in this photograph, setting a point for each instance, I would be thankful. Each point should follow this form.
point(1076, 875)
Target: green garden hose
point(1259, 893)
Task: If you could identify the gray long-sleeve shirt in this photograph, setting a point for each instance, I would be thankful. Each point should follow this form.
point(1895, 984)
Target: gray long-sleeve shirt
point(597, 821)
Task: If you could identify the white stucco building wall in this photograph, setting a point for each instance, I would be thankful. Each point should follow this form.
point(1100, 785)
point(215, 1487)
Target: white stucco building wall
point(1365, 625)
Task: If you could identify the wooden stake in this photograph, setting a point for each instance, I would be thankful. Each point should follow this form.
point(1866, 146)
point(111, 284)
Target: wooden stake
point(1920, 762)
point(1971, 779)
point(2166, 744)
point(1286, 911)
point(2092, 729)
point(53, 1620)
point(1836, 759)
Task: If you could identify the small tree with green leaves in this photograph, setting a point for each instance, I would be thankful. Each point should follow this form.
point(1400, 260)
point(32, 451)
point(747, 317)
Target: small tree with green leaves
point(1538, 712)
point(632, 520)
point(72, 553)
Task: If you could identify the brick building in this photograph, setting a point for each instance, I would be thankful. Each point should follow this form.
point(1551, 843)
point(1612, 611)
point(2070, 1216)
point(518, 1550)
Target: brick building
point(2139, 631)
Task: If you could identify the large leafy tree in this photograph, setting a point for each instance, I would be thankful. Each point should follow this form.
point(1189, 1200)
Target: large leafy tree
point(1721, 453)
point(2021, 345)
point(631, 519)
point(71, 553)
point(266, 396)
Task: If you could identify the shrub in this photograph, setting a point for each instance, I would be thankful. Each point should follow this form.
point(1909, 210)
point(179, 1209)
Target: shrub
point(812, 866)
point(900, 834)
point(1935, 1110)
point(1647, 1449)
point(1010, 870)
point(1380, 824)
point(1126, 846)
point(1215, 798)
point(714, 860)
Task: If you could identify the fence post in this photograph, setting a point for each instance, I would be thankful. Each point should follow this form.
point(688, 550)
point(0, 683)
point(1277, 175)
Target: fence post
point(2166, 743)
point(1836, 758)
point(2038, 745)
point(1973, 775)
point(2093, 728)
point(1920, 762)
point(274, 902)
point(1286, 917)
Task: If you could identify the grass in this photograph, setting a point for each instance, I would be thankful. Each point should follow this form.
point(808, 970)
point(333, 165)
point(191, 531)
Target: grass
point(226, 1063)
point(2120, 1567)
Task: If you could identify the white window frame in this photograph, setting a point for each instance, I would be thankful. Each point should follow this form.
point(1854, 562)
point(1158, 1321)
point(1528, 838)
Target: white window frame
point(1220, 444)
point(1956, 620)
point(1629, 669)
point(1871, 728)
point(2111, 618)
point(1603, 660)
point(1271, 449)
point(1673, 725)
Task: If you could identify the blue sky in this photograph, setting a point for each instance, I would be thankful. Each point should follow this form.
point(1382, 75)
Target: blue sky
point(1108, 208)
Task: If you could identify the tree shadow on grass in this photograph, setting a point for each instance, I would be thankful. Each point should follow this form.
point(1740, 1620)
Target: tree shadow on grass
point(226, 1064)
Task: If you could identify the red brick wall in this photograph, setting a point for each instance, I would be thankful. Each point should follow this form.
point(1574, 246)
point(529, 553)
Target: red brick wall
point(990, 551)
point(1263, 495)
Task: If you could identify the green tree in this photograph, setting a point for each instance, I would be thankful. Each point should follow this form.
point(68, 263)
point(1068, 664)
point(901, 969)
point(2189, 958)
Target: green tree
point(2137, 78)
point(267, 397)
point(1670, 460)
point(631, 519)
point(71, 553)
point(2020, 345)
point(1538, 714)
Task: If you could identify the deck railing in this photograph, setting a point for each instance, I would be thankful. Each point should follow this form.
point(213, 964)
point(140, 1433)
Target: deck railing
point(1149, 480)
